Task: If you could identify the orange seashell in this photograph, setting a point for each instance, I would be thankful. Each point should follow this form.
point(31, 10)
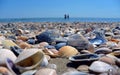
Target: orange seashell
point(67, 51)
point(23, 38)
point(115, 40)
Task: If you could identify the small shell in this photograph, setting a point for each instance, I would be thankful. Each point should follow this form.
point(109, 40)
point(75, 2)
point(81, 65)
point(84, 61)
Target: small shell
point(4, 54)
point(25, 45)
point(8, 43)
point(100, 67)
point(103, 50)
point(30, 72)
point(29, 59)
point(23, 38)
point(43, 44)
point(46, 71)
point(5, 71)
point(74, 73)
point(67, 51)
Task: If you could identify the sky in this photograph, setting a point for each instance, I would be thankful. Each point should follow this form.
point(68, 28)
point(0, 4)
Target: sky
point(57, 8)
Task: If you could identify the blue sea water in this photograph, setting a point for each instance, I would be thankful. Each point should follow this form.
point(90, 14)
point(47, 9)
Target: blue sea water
point(60, 20)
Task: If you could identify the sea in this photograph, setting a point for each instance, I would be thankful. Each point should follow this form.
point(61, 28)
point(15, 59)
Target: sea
point(59, 20)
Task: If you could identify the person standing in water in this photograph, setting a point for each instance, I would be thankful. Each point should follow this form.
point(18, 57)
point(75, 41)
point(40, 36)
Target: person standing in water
point(66, 16)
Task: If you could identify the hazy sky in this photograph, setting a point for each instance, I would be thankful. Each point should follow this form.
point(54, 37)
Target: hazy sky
point(57, 8)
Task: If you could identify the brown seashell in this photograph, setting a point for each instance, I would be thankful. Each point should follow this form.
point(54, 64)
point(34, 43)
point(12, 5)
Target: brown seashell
point(46, 71)
point(29, 59)
point(25, 45)
point(91, 48)
point(5, 71)
point(67, 51)
point(4, 54)
point(107, 60)
point(23, 38)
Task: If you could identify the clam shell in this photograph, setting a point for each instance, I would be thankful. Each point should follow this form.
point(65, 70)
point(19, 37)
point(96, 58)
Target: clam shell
point(30, 72)
point(46, 71)
point(23, 38)
point(103, 50)
point(84, 57)
point(29, 59)
point(8, 43)
point(75, 73)
point(11, 66)
point(108, 60)
point(67, 51)
point(100, 67)
point(4, 54)
point(43, 44)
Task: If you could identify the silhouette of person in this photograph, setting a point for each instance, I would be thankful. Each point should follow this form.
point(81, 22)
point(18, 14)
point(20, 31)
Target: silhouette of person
point(65, 16)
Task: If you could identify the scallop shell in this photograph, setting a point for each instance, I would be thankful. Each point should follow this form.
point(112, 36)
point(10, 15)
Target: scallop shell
point(100, 67)
point(67, 51)
point(8, 43)
point(46, 71)
point(29, 59)
point(4, 54)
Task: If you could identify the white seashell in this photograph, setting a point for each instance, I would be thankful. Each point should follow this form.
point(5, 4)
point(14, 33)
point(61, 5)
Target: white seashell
point(4, 54)
point(100, 67)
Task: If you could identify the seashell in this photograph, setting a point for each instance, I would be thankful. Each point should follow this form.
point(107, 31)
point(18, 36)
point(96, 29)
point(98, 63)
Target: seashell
point(52, 66)
point(8, 43)
point(78, 41)
point(84, 57)
point(46, 71)
point(30, 72)
point(116, 53)
point(20, 31)
point(67, 51)
point(107, 60)
point(117, 48)
point(59, 45)
point(100, 67)
point(75, 73)
point(4, 71)
point(85, 52)
point(99, 39)
point(83, 68)
point(16, 50)
point(103, 50)
point(11, 66)
point(23, 38)
point(4, 54)
point(25, 45)
point(29, 59)
point(31, 41)
point(43, 44)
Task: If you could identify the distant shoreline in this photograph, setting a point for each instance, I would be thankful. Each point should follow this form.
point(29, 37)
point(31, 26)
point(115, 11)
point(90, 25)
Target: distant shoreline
point(71, 19)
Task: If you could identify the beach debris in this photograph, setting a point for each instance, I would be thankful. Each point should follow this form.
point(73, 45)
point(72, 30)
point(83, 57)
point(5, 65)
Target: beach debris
point(4, 54)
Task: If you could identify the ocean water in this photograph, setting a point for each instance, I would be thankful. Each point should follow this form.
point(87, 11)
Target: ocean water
point(60, 20)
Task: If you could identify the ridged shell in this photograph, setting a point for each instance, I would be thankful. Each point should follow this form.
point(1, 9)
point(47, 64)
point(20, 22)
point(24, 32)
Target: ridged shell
point(67, 51)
